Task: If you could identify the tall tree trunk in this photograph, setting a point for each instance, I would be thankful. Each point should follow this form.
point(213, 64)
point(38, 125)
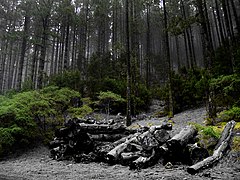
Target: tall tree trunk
point(225, 11)
point(4, 59)
point(128, 56)
point(56, 64)
point(171, 110)
point(230, 20)
point(208, 56)
point(216, 26)
point(148, 46)
point(219, 22)
point(178, 54)
point(237, 19)
point(66, 53)
point(186, 49)
point(43, 52)
point(23, 51)
point(188, 36)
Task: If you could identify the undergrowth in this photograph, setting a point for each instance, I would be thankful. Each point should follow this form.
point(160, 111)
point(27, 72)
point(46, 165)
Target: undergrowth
point(31, 116)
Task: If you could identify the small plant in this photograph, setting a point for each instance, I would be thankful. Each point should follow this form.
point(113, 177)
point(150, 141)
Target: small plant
point(80, 112)
point(108, 97)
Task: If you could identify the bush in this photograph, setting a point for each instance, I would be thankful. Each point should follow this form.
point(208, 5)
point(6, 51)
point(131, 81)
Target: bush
point(109, 98)
point(226, 90)
point(27, 116)
point(80, 112)
point(231, 114)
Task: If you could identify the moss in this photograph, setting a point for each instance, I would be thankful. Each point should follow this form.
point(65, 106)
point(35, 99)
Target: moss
point(211, 131)
point(237, 126)
point(236, 144)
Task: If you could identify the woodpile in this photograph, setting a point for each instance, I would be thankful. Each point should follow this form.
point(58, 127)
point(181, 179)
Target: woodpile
point(115, 143)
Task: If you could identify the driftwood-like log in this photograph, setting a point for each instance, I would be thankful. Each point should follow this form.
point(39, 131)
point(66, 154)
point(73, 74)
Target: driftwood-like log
point(130, 155)
point(127, 158)
point(181, 139)
point(107, 137)
point(221, 147)
point(102, 150)
point(115, 153)
point(102, 128)
point(144, 161)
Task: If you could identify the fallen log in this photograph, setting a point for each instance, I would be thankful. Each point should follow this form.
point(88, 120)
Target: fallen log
point(102, 150)
point(102, 128)
point(144, 161)
point(195, 153)
point(181, 139)
point(107, 137)
point(175, 151)
point(219, 151)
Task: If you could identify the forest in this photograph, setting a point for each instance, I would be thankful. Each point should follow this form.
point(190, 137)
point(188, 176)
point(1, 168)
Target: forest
point(70, 58)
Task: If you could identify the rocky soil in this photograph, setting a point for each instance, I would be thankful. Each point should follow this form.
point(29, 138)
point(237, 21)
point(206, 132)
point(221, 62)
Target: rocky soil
point(36, 164)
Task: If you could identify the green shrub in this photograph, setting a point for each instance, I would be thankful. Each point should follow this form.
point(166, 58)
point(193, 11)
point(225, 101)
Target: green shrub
point(231, 114)
point(226, 90)
point(8, 137)
point(107, 99)
point(80, 112)
point(27, 116)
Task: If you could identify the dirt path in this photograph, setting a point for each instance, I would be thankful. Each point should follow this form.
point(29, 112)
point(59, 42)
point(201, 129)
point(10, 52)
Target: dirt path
point(36, 165)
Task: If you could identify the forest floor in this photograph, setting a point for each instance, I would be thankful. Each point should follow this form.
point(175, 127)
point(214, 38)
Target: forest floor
point(36, 164)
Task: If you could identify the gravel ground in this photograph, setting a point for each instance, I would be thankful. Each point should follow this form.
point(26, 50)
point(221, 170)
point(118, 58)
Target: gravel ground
point(36, 164)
